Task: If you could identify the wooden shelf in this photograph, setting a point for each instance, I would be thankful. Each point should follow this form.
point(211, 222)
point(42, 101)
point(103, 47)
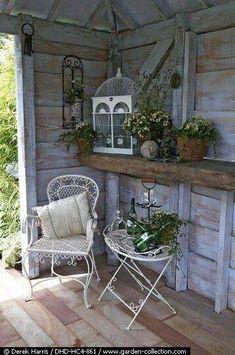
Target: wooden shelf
point(210, 173)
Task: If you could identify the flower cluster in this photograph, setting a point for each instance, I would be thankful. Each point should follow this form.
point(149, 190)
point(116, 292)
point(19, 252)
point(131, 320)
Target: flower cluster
point(199, 128)
point(83, 131)
point(76, 90)
point(139, 124)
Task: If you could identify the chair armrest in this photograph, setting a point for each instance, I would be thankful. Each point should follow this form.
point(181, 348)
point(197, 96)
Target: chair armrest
point(29, 223)
point(91, 227)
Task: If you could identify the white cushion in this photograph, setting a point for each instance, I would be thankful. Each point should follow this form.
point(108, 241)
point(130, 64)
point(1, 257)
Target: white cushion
point(66, 217)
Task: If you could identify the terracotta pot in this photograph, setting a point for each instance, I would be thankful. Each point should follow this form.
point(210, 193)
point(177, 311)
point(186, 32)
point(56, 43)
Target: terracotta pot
point(84, 147)
point(191, 149)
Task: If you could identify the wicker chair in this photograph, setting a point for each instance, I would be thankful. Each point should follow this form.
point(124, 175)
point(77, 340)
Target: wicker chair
point(69, 249)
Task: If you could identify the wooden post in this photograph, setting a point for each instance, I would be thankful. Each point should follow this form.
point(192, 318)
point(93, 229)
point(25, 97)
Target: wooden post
point(182, 24)
point(26, 136)
point(112, 205)
point(173, 206)
point(181, 280)
point(189, 82)
point(225, 233)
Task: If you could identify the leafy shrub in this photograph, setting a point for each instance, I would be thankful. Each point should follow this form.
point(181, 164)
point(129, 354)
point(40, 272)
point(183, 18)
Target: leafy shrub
point(9, 190)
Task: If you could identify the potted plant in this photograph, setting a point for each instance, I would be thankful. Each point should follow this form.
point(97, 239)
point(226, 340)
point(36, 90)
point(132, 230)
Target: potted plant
point(163, 229)
point(75, 94)
point(194, 137)
point(83, 135)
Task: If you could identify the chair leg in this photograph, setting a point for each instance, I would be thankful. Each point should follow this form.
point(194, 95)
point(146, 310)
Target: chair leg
point(27, 277)
point(94, 264)
point(90, 271)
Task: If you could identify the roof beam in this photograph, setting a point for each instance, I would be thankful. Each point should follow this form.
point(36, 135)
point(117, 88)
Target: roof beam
point(156, 57)
point(209, 3)
point(7, 6)
point(97, 14)
point(124, 13)
point(109, 10)
point(164, 8)
point(53, 10)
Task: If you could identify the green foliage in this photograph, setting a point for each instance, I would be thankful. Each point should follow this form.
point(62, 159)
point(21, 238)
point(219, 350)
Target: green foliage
point(76, 90)
point(11, 250)
point(83, 131)
point(151, 117)
point(9, 192)
point(199, 128)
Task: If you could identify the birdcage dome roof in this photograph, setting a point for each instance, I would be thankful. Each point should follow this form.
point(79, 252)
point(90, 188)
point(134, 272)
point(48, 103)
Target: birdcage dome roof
point(116, 86)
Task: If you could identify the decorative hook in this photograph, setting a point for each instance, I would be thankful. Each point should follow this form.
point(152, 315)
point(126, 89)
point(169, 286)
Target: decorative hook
point(28, 31)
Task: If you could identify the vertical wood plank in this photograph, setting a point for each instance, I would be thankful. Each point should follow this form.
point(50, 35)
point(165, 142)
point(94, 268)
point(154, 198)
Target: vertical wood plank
point(181, 281)
point(182, 23)
point(189, 82)
point(224, 245)
point(173, 206)
point(26, 135)
point(112, 205)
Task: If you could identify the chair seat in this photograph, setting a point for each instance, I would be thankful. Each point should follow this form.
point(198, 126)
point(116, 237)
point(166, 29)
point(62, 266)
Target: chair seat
point(70, 246)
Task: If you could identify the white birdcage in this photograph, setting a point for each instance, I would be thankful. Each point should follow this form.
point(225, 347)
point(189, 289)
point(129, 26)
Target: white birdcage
point(113, 102)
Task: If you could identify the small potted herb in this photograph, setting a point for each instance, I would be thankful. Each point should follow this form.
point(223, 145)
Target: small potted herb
point(194, 137)
point(83, 135)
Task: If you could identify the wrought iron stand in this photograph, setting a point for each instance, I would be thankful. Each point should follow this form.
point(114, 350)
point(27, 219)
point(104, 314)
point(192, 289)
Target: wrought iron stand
point(122, 246)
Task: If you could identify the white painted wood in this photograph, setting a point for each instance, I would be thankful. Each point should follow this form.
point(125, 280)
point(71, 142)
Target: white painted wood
point(52, 14)
point(214, 18)
point(112, 205)
point(232, 257)
point(209, 3)
point(225, 232)
point(231, 289)
point(189, 79)
point(60, 49)
point(205, 211)
point(164, 8)
point(173, 206)
point(203, 241)
point(8, 24)
point(7, 6)
point(124, 13)
point(201, 275)
point(181, 21)
point(58, 32)
point(147, 34)
point(26, 136)
point(156, 57)
point(181, 282)
point(109, 10)
point(97, 14)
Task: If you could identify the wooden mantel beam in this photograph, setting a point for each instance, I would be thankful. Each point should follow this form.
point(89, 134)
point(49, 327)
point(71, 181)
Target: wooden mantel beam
point(215, 174)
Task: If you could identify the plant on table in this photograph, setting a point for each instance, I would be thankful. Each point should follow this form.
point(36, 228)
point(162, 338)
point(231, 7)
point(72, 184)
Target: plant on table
point(164, 229)
point(83, 135)
point(194, 137)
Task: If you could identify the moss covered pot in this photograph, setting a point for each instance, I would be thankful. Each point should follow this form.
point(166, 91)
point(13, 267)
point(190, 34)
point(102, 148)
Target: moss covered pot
point(191, 149)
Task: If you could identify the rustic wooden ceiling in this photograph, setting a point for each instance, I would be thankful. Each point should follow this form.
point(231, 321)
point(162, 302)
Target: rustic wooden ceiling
point(107, 15)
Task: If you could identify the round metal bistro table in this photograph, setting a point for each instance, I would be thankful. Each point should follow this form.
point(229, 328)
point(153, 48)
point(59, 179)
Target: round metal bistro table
point(122, 246)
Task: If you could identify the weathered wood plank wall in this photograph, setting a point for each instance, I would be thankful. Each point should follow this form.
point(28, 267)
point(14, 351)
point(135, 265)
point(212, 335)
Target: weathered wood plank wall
point(52, 160)
point(215, 81)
